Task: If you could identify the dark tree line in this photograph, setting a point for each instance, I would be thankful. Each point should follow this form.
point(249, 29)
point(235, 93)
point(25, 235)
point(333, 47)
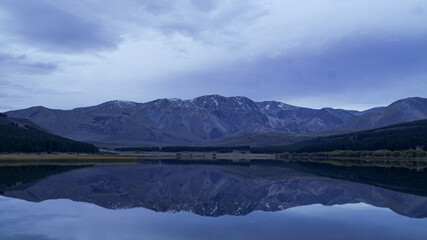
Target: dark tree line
point(204, 149)
point(137, 149)
point(29, 139)
point(395, 138)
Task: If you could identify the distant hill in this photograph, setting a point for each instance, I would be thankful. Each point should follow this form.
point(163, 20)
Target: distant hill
point(166, 122)
point(260, 139)
point(405, 110)
point(270, 139)
point(19, 135)
point(395, 137)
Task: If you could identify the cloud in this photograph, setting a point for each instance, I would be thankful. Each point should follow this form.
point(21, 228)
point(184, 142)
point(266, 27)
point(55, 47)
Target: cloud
point(157, 7)
point(205, 6)
point(12, 65)
point(28, 237)
point(43, 25)
point(209, 22)
point(356, 66)
point(274, 49)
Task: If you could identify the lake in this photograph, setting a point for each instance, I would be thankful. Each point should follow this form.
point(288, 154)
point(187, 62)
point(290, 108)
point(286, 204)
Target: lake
point(194, 200)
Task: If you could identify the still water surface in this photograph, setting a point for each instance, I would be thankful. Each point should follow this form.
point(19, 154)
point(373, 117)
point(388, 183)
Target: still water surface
point(169, 201)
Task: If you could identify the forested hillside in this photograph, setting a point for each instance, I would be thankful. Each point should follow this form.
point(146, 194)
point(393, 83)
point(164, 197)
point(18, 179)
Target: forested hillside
point(18, 135)
point(395, 137)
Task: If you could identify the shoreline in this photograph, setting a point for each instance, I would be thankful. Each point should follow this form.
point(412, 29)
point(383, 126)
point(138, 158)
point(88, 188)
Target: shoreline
point(134, 156)
point(17, 159)
point(123, 158)
point(187, 155)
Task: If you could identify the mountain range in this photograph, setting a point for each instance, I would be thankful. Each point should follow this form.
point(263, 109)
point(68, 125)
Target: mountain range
point(207, 119)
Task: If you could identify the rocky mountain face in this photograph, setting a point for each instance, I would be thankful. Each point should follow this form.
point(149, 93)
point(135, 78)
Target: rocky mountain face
point(206, 118)
point(405, 110)
point(211, 190)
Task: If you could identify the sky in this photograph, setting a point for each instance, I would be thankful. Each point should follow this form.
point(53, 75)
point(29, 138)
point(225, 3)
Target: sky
point(351, 54)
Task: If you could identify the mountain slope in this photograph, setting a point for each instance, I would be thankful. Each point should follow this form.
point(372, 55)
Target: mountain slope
point(18, 135)
point(207, 118)
point(395, 137)
point(405, 110)
point(327, 118)
point(269, 139)
point(259, 140)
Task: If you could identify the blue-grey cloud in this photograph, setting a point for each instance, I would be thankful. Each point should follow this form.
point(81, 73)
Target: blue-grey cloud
point(358, 62)
point(43, 25)
point(28, 237)
point(274, 49)
point(206, 5)
point(157, 7)
point(10, 64)
point(208, 21)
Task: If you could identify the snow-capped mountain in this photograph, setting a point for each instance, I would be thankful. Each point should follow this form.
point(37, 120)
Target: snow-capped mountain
point(202, 119)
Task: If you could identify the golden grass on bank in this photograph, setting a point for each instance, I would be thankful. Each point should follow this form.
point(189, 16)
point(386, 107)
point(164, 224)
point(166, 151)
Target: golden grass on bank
point(63, 157)
point(59, 163)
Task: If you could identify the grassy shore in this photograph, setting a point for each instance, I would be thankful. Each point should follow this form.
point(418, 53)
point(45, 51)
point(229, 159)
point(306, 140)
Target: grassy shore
point(60, 156)
point(136, 157)
point(120, 158)
point(16, 159)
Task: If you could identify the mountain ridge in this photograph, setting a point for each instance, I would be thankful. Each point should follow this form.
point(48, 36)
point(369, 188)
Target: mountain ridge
point(207, 118)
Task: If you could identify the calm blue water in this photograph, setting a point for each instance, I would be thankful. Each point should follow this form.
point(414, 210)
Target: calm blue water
point(203, 202)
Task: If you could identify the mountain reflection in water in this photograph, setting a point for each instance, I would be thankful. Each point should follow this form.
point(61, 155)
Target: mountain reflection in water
point(209, 190)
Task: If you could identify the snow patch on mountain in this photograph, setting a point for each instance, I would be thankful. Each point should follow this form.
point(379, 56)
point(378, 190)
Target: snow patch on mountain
point(122, 104)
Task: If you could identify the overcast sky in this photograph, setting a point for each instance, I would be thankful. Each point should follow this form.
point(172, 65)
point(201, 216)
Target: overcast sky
point(352, 54)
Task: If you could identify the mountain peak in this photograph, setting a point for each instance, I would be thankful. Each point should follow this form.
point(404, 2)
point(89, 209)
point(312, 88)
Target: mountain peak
point(213, 98)
point(220, 102)
point(403, 110)
point(409, 101)
point(122, 103)
point(275, 106)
